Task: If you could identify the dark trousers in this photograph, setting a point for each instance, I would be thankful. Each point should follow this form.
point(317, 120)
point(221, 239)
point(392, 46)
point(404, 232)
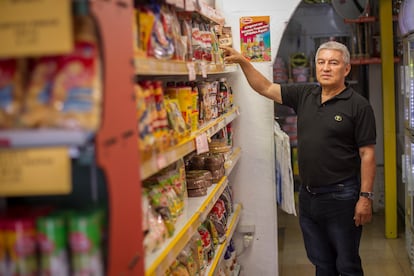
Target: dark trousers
point(329, 232)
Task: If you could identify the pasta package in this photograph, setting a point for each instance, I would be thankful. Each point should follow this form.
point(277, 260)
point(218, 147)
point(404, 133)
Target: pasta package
point(11, 91)
point(64, 91)
point(76, 91)
point(37, 109)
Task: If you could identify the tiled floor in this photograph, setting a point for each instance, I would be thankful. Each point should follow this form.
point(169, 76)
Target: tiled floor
point(380, 256)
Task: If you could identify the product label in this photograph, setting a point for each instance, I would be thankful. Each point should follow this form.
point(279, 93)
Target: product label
point(26, 27)
point(34, 171)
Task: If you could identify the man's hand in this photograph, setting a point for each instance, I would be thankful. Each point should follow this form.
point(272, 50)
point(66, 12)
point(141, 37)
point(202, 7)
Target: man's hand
point(363, 211)
point(232, 56)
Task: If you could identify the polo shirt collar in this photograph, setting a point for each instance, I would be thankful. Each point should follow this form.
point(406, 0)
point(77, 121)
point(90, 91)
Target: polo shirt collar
point(345, 94)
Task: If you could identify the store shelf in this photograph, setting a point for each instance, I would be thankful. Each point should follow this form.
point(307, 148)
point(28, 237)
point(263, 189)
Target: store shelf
point(204, 10)
point(362, 19)
point(152, 66)
point(232, 161)
point(370, 60)
point(220, 250)
point(160, 161)
point(43, 137)
point(196, 212)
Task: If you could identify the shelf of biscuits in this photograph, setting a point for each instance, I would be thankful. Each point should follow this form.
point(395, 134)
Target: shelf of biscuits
point(196, 212)
point(159, 161)
point(146, 66)
point(231, 227)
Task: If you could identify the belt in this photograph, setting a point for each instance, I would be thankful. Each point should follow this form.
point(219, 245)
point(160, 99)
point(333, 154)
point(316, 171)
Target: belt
point(333, 187)
point(325, 189)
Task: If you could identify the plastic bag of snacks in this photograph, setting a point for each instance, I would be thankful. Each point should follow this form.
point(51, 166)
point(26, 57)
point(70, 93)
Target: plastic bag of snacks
point(11, 91)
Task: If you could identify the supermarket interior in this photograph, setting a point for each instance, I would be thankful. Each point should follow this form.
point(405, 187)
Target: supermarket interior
point(128, 146)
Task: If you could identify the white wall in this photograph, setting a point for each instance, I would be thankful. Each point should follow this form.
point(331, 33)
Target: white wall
point(253, 179)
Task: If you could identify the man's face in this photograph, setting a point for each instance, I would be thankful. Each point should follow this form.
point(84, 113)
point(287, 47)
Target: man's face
point(331, 69)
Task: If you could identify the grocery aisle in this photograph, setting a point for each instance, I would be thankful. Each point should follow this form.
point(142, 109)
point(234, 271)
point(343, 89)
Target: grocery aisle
point(380, 256)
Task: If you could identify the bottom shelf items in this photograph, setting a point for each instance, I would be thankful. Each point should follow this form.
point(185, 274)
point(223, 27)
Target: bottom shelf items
point(186, 226)
point(220, 250)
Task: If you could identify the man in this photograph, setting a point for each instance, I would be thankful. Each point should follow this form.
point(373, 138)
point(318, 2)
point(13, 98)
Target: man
point(336, 154)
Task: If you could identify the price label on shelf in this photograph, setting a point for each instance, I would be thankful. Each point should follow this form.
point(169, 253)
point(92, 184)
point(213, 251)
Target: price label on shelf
point(161, 161)
point(202, 143)
point(38, 171)
point(26, 27)
point(191, 71)
point(203, 65)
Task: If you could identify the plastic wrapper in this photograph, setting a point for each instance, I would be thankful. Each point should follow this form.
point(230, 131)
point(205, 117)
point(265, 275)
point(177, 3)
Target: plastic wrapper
point(176, 120)
point(11, 91)
point(162, 43)
point(199, 175)
point(207, 242)
point(196, 183)
point(196, 162)
point(145, 19)
point(215, 236)
point(177, 269)
point(76, 93)
point(188, 259)
point(217, 174)
point(197, 249)
point(157, 234)
point(197, 192)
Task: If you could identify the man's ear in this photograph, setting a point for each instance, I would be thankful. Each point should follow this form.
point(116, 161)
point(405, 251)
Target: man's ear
point(347, 69)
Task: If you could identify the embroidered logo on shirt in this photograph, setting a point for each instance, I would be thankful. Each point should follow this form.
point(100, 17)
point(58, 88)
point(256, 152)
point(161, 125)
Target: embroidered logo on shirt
point(338, 118)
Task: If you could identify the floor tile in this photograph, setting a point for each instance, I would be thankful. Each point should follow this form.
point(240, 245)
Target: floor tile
point(380, 256)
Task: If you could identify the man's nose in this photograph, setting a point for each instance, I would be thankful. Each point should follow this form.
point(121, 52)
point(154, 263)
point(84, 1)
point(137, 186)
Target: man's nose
point(326, 66)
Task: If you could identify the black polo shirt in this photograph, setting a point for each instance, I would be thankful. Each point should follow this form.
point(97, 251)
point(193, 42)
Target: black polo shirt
point(329, 134)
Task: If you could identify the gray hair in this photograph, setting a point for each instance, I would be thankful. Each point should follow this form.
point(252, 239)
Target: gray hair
point(334, 45)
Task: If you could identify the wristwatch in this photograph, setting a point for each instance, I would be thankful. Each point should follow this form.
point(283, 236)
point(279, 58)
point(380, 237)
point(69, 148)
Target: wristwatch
point(369, 195)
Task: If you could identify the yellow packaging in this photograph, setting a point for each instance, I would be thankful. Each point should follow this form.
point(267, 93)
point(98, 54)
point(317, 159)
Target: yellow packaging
point(185, 102)
point(194, 121)
point(194, 97)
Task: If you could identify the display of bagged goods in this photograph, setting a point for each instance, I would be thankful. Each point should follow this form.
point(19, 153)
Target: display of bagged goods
point(216, 237)
point(203, 174)
point(196, 246)
point(207, 242)
point(197, 192)
point(198, 175)
point(214, 160)
point(62, 91)
point(227, 199)
point(196, 183)
point(11, 91)
point(218, 174)
point(196, 162)
point(219, 227)
point(177, 269)
point(156, 232)
point(219, 146)
point(219, 216)
point(188, 259)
